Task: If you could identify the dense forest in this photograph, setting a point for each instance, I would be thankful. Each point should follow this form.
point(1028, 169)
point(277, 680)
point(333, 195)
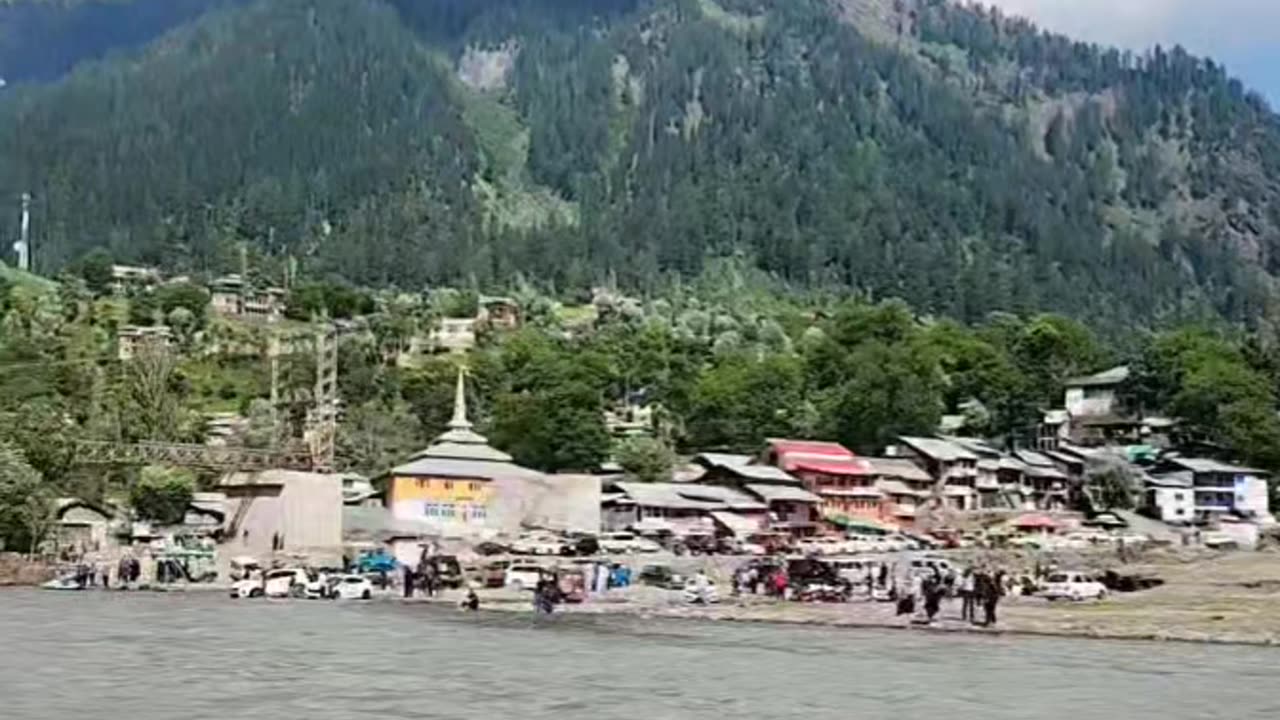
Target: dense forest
point(953, 157)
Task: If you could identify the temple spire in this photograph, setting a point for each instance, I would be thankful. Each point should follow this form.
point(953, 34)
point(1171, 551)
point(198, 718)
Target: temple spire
point(460, 421)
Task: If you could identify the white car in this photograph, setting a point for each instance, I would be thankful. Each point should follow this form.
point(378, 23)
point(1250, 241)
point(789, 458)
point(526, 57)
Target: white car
point(523, 576)
point(701, 591)
point(247, 588)
point(350, 587)
point(1072, 586)
point(822, 546)
point(539, 544)
point(618, 543)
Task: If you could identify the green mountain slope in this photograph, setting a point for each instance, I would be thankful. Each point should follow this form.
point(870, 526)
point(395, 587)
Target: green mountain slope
point(950, 156)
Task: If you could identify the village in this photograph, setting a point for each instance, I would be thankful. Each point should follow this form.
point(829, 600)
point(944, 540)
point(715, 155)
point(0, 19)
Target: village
point(802, 531)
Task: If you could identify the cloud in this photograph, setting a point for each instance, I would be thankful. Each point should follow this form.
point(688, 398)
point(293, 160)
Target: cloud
point(1242, 34)
point(1203, 26)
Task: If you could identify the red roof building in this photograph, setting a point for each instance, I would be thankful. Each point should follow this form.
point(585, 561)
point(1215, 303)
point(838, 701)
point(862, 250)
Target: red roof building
point(845, 482)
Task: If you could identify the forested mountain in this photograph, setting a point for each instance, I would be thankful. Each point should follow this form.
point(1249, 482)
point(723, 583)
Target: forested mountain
point(954, 157)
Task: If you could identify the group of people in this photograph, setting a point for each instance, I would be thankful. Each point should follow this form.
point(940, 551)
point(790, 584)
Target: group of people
point(978, 589)
point(771, 581)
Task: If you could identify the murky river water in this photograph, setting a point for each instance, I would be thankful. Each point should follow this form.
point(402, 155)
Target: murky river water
point(160, 657)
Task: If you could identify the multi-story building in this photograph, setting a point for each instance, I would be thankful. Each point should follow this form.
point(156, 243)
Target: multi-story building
point(953, 468)
point(1216, 488)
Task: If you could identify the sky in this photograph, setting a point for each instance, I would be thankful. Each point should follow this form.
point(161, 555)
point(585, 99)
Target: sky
point(1244, 35)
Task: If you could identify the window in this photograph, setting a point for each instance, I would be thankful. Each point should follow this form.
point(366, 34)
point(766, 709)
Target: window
point(448, 484)
point(1178, 497)
point(479, 512)
point(447, 510)
point(1178, 512)
point(473, 487)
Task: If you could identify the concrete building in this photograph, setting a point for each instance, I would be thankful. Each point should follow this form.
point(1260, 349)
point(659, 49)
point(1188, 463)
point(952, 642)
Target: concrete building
point(499, 313)
point(905, 486)
point(1217, 488)
point(295, 513)
point(953, 469)
point(131, 339)
point(460, 486)
point(232, 295)
point(832, 472)
point(1095, 395)
point(82, 525)
point(1170, 499)
point(682, 509)
point(132, 277)
point(454, 335)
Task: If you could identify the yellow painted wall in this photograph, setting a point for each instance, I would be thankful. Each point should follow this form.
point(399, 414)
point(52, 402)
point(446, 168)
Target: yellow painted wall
point(440, 490)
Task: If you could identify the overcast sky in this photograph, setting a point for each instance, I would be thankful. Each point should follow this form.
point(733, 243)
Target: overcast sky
point(1242, 34)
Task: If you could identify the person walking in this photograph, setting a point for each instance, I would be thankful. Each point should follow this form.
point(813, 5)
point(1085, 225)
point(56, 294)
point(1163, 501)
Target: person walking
point(408, 582)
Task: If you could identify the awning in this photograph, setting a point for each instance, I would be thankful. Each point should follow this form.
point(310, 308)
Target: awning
point(1035, 522)
point(739, 525)
point(859, 524)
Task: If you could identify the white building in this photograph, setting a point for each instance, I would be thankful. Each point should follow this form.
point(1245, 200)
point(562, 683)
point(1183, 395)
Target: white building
point(1171, 499)
point(1095, 395)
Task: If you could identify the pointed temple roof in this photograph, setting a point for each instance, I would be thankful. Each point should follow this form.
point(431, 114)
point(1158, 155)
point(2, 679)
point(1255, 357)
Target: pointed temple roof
point(460, 451)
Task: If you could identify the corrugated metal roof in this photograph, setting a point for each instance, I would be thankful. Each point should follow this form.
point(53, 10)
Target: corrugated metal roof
point(897, 487)
point(729, 497)
point(666, 495)
point(1204, 465)
point(738, 524)
point(1114, 376)
point(723, 459)
point(477, 469)
point(1032, 457)
point(938, 449)
point(783, 493)
point(901, 468)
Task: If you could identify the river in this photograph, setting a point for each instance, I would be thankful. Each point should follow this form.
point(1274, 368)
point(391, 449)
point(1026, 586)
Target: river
point(199, 656)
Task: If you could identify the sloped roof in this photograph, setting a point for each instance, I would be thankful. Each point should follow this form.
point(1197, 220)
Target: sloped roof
point(938, 449)
point(1183, 479)
point(1204, 465)
point(783, 493)
point(461, 452)
point(897, 487)
point(722, 459)
point(816, 456)
point(1033, 458)
point(978, 447)
point(729, 497)
point(666, 495)
point(1114, 376)
point(745, 467)
point(901, 468)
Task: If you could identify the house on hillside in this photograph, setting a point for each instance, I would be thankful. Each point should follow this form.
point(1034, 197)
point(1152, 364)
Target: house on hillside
point(126, 278)
point(953, 468)
point(456, 335)
point(1049, 486)
point(133, 339)
point(499, 313)
point(842, 480)
point(1217, 489)
point(904, 486)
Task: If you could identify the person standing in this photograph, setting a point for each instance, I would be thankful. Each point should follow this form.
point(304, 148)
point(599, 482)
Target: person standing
point(967, 602)
point(408, 582)
point(992, 599)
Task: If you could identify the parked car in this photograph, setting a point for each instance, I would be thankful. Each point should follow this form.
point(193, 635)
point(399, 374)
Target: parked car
point(494, 574)
point(250, 587)
point(661, 576)
point(350, 587)
point(1072, 586)
point(930, 565)
point(490, 547)
point(701, 591)
point(376, 561)
point(622, 543)
point(539, 544)
point(822, 546)
point(523, 576)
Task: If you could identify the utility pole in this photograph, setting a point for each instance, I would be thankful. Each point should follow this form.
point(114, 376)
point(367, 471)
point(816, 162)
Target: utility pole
point(324, 410)
point(23, 246)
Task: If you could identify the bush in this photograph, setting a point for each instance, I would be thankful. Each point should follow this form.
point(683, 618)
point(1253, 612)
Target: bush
point(162, 495)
